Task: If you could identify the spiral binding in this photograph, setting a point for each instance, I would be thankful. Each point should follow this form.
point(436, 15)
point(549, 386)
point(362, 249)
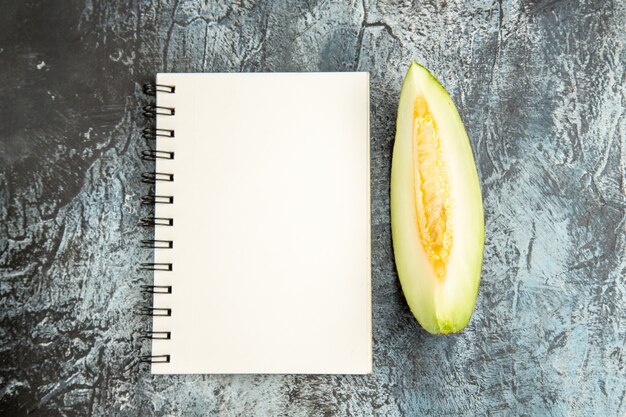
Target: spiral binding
point(155, 359)
point(155, 266)
point(156, 221)
point(151, 111)
point(151, 89)
point(157, 244)
point(158, 335)
point(151, 199)
point(151, 133)
point(153, 155)
point(156, 312)
point(157, 289)
point(153, 177)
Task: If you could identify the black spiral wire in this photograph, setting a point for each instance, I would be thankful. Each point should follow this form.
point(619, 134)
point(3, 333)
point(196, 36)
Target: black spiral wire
point(152, 177)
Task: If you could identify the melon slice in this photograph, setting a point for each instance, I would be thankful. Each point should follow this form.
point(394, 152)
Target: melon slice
point(436, 207)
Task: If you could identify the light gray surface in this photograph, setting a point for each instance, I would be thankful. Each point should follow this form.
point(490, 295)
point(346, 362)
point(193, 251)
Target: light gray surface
point(540, 86)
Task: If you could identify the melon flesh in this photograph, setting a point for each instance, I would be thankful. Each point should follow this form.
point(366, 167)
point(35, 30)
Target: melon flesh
point(436, 206)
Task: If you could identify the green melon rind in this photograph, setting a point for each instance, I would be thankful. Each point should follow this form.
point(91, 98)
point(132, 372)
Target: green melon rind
point(439, 307)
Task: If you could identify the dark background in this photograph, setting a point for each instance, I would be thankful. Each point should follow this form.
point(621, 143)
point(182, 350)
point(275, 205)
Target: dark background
point(540, 86)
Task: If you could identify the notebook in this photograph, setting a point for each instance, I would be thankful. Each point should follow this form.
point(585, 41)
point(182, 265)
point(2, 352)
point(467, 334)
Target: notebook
point(261, 244)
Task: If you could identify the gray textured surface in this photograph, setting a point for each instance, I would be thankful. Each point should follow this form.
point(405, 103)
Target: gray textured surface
point(540, 86)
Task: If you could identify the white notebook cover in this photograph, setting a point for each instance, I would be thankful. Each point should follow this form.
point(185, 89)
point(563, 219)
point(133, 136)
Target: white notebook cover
point(271, 253)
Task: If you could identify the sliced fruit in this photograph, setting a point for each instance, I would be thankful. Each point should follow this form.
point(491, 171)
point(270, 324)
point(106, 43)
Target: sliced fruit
point(436, 207)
